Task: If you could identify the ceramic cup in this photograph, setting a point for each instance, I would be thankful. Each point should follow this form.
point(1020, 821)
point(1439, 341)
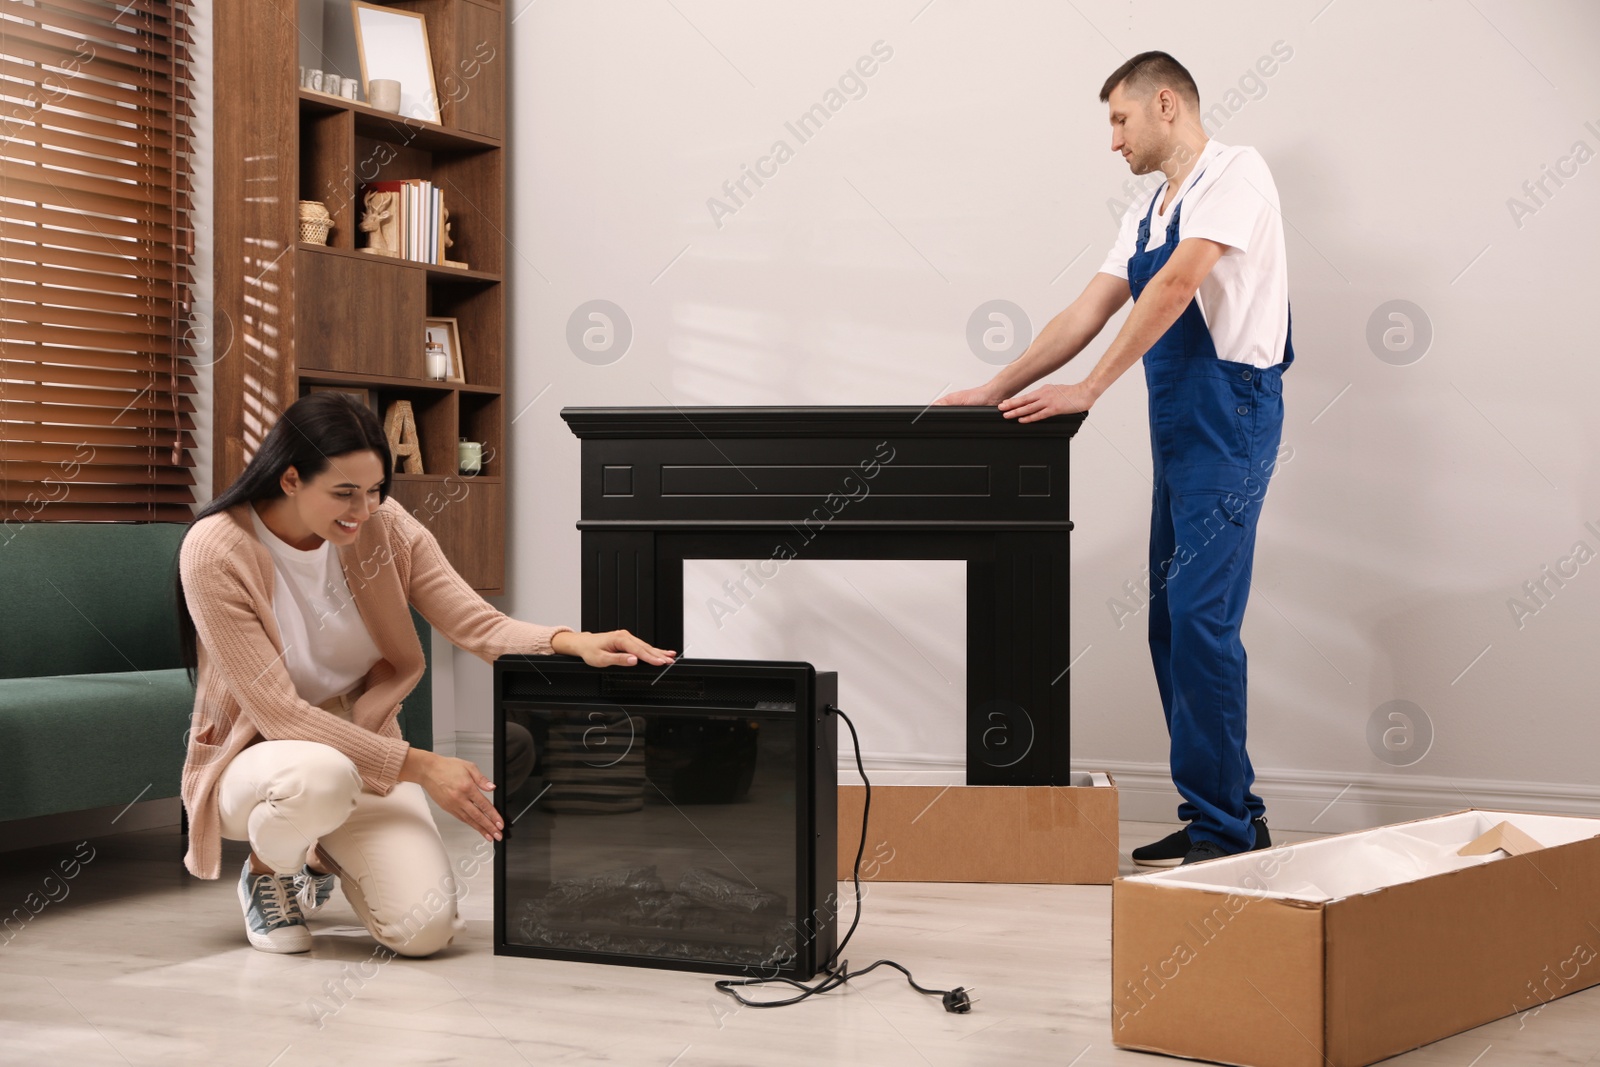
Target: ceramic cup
point(331, 84)
point(348, 89)
point(470, 456)
point(314, 80)
point(384, 94)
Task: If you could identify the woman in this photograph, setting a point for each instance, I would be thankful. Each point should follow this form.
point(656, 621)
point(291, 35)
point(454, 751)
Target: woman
point(294, 593)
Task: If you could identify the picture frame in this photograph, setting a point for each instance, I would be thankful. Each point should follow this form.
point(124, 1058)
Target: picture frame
point(392, 43)
point(447, 331)
point(361, 396)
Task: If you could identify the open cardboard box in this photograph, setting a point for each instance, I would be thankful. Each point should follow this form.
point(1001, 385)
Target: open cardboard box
point(1350, 949)
point(1066, 835)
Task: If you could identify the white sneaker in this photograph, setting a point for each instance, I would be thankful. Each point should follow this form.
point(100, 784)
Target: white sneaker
point(313, 889)
point(272, 917)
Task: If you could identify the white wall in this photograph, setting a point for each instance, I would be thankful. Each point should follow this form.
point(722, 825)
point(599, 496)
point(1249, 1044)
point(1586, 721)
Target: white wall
point(976, 167)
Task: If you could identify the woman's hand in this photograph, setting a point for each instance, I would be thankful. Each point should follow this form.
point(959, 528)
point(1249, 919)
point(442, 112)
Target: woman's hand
point(616, 648)
point(457, 786)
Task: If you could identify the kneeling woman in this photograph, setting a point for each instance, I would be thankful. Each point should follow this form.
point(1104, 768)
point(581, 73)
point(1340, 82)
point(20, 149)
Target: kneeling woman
point(295, 589)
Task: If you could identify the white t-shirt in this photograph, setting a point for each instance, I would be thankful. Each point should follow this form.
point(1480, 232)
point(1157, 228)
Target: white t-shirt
point(326, 645)
point(1245, 298)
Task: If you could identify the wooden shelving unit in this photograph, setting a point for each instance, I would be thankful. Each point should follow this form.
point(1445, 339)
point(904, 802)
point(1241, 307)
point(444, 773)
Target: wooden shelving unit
point(294, 315)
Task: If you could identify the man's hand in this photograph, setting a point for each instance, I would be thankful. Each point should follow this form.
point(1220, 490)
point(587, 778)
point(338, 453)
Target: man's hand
point(1049, 400)
point(615, 648)
point(984, 396)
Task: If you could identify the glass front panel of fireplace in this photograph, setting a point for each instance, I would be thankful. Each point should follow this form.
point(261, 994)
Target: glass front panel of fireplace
point(645, 833)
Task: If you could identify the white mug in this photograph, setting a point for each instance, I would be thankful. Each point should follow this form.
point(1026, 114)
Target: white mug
point(314, 80)
point(348, 89)
point(331, 84)
point(384, 94)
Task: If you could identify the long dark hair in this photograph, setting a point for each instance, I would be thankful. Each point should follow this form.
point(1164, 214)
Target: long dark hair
point(313, 429)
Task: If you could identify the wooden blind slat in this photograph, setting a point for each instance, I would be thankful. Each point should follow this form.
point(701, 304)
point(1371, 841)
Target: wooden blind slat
point(135, 168)
point(48, 226)
point(61, 415)
point(148, 63)
point(60, 334)
point(37, 250)
point(137, 362)
point(136, 18)
point(64, 122)
point(85, 495)
point(119, 436)
point(21, 473)
point(96, 24)
point(116, 144)
point(61, 374)
point(65, 100)
point(68, 456)
point(109, 310)
point(143, 398)
point(88, 299)
point(70, 511)
point(106, 79)
point(21, 178)
point(87, 320)
point(94, 281)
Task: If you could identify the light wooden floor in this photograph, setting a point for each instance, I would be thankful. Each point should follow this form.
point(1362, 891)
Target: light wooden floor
point(140, 963)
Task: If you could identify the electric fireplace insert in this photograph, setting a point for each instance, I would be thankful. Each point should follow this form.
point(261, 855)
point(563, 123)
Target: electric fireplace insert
point(681, 818)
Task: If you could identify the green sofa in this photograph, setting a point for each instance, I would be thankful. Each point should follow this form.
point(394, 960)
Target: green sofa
point(94, 701)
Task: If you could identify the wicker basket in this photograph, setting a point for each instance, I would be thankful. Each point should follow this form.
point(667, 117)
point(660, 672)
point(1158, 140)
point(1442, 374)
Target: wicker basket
point(315, 231)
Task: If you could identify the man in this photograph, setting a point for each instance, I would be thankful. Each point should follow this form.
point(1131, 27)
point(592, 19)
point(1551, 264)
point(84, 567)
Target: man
point(1204, 261)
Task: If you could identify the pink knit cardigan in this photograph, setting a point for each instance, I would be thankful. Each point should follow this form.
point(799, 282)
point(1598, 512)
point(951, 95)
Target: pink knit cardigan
point(245, 694)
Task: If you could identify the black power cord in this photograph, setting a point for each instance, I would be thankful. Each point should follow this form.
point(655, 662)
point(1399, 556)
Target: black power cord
point(957, 1000)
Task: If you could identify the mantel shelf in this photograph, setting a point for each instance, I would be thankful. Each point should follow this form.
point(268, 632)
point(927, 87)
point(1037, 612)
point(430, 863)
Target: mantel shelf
point(742, 422)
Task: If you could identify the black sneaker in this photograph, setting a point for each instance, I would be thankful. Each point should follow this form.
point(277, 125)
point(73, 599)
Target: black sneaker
point(1168, 852)
point(1171, 850)
point(1205, 850)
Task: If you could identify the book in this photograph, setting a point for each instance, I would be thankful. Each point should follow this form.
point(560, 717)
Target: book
point(421, 217)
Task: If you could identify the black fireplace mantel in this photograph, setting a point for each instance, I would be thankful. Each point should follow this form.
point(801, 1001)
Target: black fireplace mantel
point(661, 485)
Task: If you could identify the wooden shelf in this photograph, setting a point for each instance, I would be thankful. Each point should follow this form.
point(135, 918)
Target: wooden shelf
point(435, 271)
point(440, 272)
point(333, 315)
point(379, 381)
point(398, 129)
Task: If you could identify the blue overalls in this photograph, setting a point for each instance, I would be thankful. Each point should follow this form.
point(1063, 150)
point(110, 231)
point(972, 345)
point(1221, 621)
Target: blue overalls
point(1215, 426)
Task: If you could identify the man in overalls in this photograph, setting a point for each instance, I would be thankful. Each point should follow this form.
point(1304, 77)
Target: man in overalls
point(1204, 261)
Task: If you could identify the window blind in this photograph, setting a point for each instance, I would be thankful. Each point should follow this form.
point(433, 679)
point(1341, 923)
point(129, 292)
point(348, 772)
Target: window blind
point(96, 408)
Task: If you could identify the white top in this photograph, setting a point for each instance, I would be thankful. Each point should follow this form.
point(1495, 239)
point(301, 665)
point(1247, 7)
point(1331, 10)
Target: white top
point(326, 645)
point(1245, 298)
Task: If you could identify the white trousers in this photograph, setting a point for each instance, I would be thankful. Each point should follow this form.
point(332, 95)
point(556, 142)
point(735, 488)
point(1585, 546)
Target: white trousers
point(285, 797)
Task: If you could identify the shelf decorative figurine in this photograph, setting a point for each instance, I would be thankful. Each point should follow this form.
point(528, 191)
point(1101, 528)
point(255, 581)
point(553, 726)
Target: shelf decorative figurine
point(381, 223)
point(400, 427)
point(449, 243)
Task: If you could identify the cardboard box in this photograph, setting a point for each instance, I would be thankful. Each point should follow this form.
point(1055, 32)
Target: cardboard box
point(1065, 835)
point(1348, 950)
